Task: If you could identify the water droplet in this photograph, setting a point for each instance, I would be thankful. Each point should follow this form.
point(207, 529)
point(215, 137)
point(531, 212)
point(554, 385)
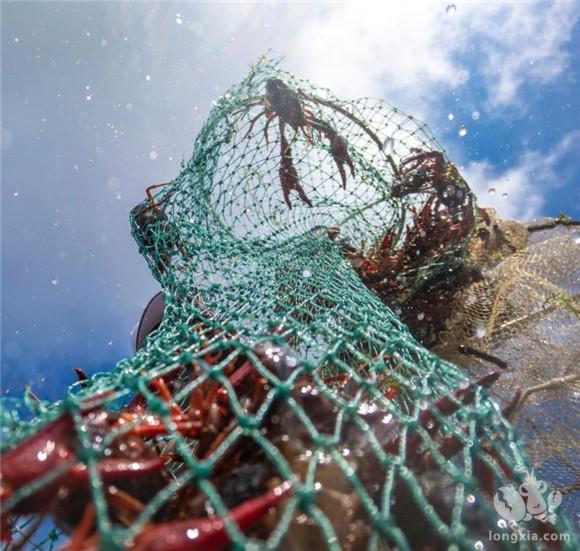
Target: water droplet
point(178, 19)
point(504, 194)
point(491, 191)
point(451, 9)
point(110, 343)
point(129, 106)
point(16, 39)
point(475, 115)
point(479, 545)
point(54, 281)
point(420, 316)
point(15, 194)
point(462, 131)
point(451, 116)
point(114, 183)
point(470, 498)
point(479, 331)
point(147, 78)
point(192, 533)
point(89, 97)
point(87, 87)
point(501, 523)
point(388, 145)
point(387, 419)
point(153, 155)
point(575, 236)
point(306, 273)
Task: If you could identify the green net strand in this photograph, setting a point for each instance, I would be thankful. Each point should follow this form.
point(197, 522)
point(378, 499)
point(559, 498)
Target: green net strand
point(336, 388)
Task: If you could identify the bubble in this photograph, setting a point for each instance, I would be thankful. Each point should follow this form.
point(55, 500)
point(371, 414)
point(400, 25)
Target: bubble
point(462, 131)
point(113, 183)
point(450, 116)
point(451, 9)
point(575, 236)
point(153, 155)
point(491, 191)
point(388, 145)
point(475, 115)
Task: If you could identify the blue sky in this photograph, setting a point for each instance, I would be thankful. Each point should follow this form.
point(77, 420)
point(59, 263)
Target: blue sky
point(100, 100)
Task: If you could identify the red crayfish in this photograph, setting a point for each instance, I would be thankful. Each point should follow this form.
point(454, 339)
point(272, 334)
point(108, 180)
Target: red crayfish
point(286, 104)
point(430, 171)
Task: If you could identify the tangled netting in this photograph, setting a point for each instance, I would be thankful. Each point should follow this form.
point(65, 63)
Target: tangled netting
point(281, 403)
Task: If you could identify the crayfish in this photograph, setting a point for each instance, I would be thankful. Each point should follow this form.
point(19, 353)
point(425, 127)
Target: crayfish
point(286, 104)
point(435, 237)
point(430, 171)
point(51, 474)
point(155, 234)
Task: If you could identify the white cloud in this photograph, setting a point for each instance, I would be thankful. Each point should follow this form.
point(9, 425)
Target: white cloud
point(521, 43)
point(412, 52)
point(526, 184)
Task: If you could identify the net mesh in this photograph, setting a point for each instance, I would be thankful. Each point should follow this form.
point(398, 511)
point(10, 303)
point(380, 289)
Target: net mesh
point(281, 402)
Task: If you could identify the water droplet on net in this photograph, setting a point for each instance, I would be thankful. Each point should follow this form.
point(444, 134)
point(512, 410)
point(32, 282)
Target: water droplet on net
point(54, 281)
point(479, 331)
point(388, 145)
point(504, 194)
point(475, 115)
point(153, 155)
point(451, 9)
point(450, 116)
point(306, 273)
point(491, 191)
point(147, 78)
point(89, 97)
point(178, 19)
point(575, 237)
point(462, 131)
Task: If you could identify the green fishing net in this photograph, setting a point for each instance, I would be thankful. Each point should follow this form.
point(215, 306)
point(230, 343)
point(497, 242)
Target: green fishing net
point(282, 382)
